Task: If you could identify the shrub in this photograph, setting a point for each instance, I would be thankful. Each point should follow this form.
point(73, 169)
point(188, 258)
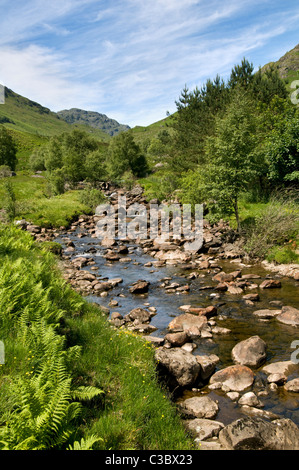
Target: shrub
point(274, 226)
point(91, 197)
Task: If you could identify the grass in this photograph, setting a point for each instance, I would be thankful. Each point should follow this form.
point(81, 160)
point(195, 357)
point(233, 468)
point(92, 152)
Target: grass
point(271, 230)
point(42, 320)
point(34, 204)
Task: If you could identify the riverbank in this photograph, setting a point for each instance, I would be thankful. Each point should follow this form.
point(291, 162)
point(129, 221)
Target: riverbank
point(224, 293)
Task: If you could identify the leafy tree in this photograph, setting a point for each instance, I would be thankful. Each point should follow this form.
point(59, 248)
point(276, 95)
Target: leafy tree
point(282, 150)
point(124, 155)
point(232, 164)
point(95, 167)
point(8, 149)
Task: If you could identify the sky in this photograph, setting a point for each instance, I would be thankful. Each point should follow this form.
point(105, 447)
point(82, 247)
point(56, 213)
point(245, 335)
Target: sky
point(130, 59)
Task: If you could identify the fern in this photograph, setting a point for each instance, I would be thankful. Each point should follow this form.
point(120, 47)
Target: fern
point(85, 444)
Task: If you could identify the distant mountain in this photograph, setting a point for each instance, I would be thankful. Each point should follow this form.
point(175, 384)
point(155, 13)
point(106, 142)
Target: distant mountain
point(93, 119)
point(287, 65)
point(20, 114)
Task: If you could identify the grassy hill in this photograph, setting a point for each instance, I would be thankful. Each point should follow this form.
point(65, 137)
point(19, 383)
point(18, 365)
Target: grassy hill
point(288, 66)
point(143, 133)
point(31, 124)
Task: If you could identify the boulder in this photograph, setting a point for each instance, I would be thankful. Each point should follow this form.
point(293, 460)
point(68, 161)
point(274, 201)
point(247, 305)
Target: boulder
point(251, 352)
point(281, 367)
point(102, 287)
point(249, 399)
point(139, 315)
point(139, 287)
point(187, 322)
point(289, 316)
point(270, 284)
point(177, 339)
point(237, 378)
point(207, 365)
point(292, 386)
point(266, 313)
point(203, 428)
point(181, 366)
point(199, 407)
point(208, 312)
point(250, 433)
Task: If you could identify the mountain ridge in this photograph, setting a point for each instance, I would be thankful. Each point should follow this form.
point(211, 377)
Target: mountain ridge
point(93, 119)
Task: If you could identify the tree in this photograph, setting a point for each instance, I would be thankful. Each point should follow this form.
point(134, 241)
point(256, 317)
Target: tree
point(8, 150)
point(282, 150)
point(124, 155)
point(194, 121)
point(232, 165)
point(241, 75)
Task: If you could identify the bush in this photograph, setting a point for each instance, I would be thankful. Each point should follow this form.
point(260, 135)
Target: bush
point(274, 226)
point(91, 197)
point(282, 255)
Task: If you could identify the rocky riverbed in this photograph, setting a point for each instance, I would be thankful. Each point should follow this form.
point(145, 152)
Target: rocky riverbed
point(226, 332)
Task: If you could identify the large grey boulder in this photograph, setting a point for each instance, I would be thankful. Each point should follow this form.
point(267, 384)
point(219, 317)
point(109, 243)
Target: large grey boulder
point(203, 428)
point(189, 323)
point(251, 352)
point(180, 367)
point(207, 365)
point(236, 378)
point(258, 434)
point(289, 316)
point(281, 367)
point(292, 385)
point(199, 407)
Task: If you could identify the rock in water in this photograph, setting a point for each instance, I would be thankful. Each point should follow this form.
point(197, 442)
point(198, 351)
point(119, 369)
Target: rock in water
point(289, 316)
point(258, 434)
point(181, 366)
point(236, 378)
point(251, 352)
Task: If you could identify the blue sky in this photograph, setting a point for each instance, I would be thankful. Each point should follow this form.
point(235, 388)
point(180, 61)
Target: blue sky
point(130, 59)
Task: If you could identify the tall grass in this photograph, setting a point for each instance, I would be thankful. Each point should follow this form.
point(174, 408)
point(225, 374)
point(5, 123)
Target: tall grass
point(71, 381)
point(275, 225)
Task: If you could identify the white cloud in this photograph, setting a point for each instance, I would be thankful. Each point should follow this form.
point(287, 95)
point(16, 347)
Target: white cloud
point(131, 59)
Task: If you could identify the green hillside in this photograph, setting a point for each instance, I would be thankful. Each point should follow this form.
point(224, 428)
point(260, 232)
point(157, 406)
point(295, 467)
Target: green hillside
point(21, 114)
point(31, 124)
point(287, 65)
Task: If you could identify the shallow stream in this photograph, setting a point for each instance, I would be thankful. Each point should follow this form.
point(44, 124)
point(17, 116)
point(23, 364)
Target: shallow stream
point(233, 313)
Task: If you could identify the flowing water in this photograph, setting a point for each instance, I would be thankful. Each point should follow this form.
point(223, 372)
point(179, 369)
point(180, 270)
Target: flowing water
point(233, 313)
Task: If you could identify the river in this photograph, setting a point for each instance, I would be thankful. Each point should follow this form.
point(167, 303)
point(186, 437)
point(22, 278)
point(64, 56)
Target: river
point(233, 313)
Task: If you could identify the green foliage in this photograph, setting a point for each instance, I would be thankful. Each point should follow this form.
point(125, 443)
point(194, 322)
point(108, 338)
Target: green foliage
point(282, 149)
point(8, 149)
point(232, 165)
point(275, 225)
point(10, 200)
point(283, 255)
point(91, 197)
point(56, 181)
point(70, 157)
point(61, 355)
point(125, 155)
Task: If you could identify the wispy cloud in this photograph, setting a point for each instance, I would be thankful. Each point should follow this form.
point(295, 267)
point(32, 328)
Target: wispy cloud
point(130, 58)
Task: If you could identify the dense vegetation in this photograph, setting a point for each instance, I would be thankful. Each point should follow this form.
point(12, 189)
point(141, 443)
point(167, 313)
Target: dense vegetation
point(71, 381)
